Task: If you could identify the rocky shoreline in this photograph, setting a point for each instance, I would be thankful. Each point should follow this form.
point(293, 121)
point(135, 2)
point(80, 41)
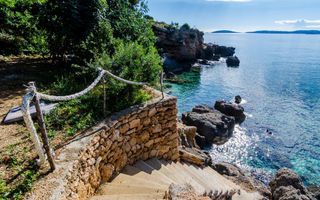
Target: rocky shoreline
point(183, 49)
point(206, 125)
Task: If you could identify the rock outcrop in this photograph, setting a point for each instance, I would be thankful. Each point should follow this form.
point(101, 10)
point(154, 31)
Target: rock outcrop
point(224, 51)
point(181, 48)
point(231, 110)
point(287, 185)
point(315, 190)
point(212, 124)
point(233, 61)
point(246, 181)
point(237, 99)
point(188, 149)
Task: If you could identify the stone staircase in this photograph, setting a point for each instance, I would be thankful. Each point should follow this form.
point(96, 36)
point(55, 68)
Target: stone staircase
point(148, 180)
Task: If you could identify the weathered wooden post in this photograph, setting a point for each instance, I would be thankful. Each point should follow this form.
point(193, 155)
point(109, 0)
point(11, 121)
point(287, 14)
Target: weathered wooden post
point(161, 83)
point(104, 97)
point(43, 129)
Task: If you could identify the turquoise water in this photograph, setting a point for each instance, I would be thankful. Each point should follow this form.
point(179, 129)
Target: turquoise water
point(279, 79)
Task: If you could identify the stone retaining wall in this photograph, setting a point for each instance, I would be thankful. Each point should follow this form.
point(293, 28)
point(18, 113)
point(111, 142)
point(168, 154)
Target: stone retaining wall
point(140, 132)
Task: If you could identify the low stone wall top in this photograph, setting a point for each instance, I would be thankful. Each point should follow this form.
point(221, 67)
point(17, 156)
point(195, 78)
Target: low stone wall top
point(139, 132)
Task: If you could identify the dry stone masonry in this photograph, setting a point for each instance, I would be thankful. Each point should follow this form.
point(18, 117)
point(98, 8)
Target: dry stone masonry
point(138, 133)
point(141, 134)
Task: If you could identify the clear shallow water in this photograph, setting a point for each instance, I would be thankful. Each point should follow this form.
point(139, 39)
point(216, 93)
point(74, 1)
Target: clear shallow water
point(279, 79)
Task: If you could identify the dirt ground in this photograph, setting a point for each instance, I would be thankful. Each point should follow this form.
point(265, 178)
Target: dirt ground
point(17, 155)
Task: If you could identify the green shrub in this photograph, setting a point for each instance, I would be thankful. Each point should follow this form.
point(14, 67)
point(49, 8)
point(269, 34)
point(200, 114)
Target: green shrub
point(19, 31)
point(185, 26)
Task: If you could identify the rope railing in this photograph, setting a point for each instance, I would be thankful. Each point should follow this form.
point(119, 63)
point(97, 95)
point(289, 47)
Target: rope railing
point(33, 95)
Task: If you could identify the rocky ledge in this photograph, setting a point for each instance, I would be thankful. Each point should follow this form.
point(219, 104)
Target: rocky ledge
point(287, 185)
point(183, 47)
point(214, 124)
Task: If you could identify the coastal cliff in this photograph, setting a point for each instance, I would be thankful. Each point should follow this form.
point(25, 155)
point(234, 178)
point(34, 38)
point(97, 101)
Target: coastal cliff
point(182, 47)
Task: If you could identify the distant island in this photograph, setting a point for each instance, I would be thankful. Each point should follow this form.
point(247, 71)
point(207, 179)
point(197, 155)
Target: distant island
point(311, 32)
point(224, 31)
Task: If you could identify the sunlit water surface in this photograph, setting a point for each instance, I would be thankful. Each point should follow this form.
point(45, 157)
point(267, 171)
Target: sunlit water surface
point(279, 79)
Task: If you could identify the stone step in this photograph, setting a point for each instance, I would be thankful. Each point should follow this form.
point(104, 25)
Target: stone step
point(127, 179)
point(140, 173)
point(113, 189)
point(151, 180)
point(186, 178)
point(153, 171)
point(203, 177)
point(129, 197)
point(162, 167)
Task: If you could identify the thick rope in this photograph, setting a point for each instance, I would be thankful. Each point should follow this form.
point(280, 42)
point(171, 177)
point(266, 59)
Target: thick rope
point(88, 89)
point(31, 89)
point(25, 109)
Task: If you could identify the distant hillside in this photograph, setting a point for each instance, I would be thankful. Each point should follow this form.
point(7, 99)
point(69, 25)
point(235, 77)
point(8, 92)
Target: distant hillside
point(224, 31)
point(313, 32)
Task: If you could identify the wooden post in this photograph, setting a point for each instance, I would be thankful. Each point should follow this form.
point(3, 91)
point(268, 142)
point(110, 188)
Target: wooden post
point(44, 134)
point(161, 83)
point(104, 98)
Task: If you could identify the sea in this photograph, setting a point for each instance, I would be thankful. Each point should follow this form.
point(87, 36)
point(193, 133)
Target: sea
point(279, 82)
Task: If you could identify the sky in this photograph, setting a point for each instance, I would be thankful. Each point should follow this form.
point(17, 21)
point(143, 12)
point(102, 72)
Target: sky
point(239, 15)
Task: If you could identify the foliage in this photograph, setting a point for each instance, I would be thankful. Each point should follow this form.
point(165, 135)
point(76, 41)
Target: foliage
point(68, 23)
point(14, 158)
point(19, 32)
point(185, 26)
point(130, 61)
point(111, 34)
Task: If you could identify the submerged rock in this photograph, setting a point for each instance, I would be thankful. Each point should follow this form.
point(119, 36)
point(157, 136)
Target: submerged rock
point(287, 185)
point(237, 99)
point(233, 61)
point(213, 125)
point(231, 110)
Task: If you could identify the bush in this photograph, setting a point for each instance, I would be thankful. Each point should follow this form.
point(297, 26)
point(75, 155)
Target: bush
point(130, 61)
point(19, 33)
point(185, 26)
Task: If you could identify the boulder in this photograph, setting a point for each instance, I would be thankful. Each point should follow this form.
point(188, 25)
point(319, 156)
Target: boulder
point(196, 67)
point(237, 99)
point(204, 62)
point(245, 180)
point(233, 61)
point(203, 109)
point(287, 185)
point(224, 51)
point(216, 58)
point(195, 156)
point(200, 141)
point(231, 110)
point(214, 126)
point(315, 190)
point(187, 135)
point(208, 51)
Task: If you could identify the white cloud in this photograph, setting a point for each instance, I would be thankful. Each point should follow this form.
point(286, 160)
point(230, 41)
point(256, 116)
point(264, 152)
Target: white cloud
point(313, 26)
point(231, 0)
point(300, 23)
